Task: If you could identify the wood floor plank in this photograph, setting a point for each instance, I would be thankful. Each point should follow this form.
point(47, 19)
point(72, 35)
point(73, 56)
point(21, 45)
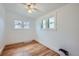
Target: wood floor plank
point(33, 48)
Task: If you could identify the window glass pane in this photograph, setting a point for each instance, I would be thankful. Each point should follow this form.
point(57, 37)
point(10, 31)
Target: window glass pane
point(17, 24)
point(44, 24)
point(26, 25)
point(51, 23)
point(52, 19)
point(52, 26)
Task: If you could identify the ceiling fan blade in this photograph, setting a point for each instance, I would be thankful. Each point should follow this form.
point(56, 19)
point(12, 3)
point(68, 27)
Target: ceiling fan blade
point(35, 9)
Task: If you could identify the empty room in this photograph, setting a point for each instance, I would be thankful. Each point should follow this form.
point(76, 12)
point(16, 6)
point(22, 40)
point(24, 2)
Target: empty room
point(39, 29)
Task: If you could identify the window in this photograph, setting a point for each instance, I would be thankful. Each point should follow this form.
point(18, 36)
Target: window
point(44, 24)
point(51, 23)
point(26, 25)
point(21, 24)
point(17, 24)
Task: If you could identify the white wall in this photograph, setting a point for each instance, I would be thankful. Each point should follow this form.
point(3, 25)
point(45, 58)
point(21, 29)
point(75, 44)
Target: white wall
point(67, 34)
point(21, 35)
point(2, 17)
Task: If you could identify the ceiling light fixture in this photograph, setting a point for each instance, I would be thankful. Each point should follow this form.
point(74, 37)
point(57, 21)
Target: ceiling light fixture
point(31, 7)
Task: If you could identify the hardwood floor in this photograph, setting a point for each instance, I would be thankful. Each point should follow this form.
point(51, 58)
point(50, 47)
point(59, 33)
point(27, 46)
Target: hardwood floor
point(33, 48)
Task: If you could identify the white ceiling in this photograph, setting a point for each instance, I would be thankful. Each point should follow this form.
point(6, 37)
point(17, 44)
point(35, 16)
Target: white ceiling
point(44, 8)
